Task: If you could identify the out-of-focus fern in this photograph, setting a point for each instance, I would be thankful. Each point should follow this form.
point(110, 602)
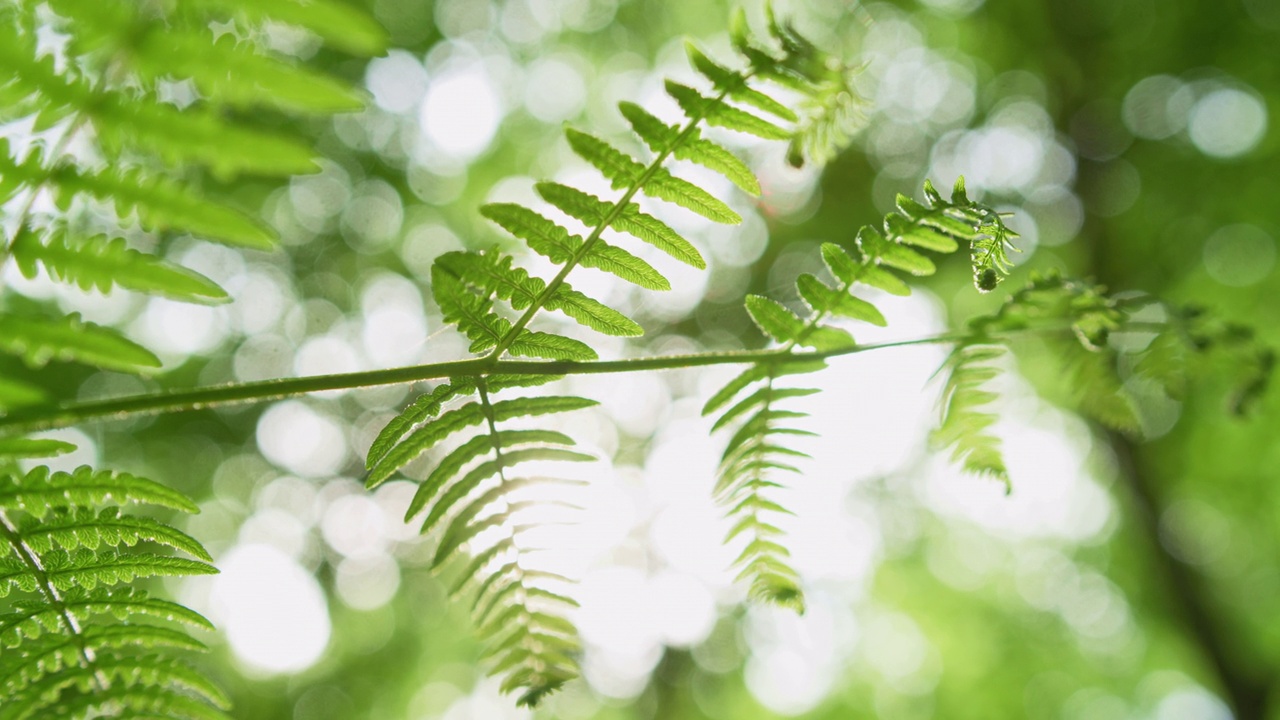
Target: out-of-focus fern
point(75, 639)
point(96, 133)
point(96, 156)
point(756, 454)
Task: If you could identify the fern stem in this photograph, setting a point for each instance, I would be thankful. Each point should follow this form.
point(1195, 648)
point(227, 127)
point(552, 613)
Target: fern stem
point(46, 588)
point(614, 212)
point(46, 418)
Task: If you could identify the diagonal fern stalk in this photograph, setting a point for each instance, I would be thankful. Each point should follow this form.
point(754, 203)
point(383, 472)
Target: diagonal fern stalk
point(73, 564)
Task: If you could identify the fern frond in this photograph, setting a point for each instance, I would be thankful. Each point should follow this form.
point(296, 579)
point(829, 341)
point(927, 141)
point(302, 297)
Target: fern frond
point(965, 427)
point(73, 530)
point(100, 85)
point(471, 490)
point(735, 84)
point(750, 461)
point(721, 114)
point(29, 620)
point(72, 642)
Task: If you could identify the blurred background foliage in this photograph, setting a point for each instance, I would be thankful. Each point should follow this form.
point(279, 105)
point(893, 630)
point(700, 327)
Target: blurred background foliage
point(1127, 576)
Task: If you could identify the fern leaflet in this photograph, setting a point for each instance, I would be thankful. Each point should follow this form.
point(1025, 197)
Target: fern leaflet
point(65, 648)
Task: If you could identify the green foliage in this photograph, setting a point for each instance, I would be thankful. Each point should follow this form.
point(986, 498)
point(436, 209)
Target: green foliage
point(518, 610)
point(72, 643)
point(474, 290)
point(121, 162)
point(104, 86)
point(757, 451)
point(964, 425)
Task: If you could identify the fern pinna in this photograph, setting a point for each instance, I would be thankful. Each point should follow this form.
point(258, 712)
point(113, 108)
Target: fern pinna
point(493, 302)
point(100, 169)
point(76, 639)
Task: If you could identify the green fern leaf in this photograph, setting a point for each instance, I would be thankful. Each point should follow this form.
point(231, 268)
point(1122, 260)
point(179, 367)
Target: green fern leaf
point(87, 569)
point(449, 466)
point(40, 660)
point(720, 114)
point(20, 447)
point(159, 204)
point(848, 271)
point(425, 407)
point(39, 341)
point(181, 137)
point(472, 313)
point(624, 171)
point(31, 620)
point(964, 427)
point(493, 274)
point(102, 264)
point(70, 531)
point(619, 168)
point(665, 186)
point(143, 702)
point(235, 73)
point(629, 219)
point(559, 246)
point(774, 319)
point(660, 136)
point(592, 313)
point(551, 347)
point(41, 490)
point(658, 234)
point(824, 299)
point(735, 84)
point(755, 400)
point(421, 440)
point(890, 253)
point(745, 470)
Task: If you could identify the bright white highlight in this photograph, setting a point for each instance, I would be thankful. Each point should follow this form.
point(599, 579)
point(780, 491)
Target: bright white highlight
point(271, 609)
point(397, 81)
point(461, 112)
point(1227, 123)
point(301, 440)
